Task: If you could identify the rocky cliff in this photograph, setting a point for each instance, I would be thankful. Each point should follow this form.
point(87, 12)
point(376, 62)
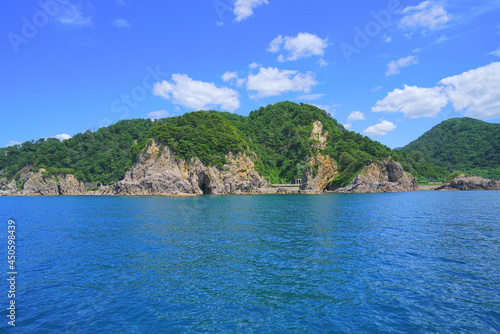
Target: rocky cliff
point(38, 184)
point(382, 177)
point(470, 183)
point(318, 174)
point(158, 172)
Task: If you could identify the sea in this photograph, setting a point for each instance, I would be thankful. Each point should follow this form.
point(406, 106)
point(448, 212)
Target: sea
point(418, 262)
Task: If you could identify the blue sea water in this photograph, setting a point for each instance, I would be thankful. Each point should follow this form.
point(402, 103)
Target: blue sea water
point(420, 262)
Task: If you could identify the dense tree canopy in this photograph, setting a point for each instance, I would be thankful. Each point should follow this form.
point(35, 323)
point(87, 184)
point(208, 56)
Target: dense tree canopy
point(101, 156)
point(280, 136)
point(463, 144)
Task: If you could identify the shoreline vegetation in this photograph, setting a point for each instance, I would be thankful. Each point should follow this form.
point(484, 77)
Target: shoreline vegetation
point(211, 152)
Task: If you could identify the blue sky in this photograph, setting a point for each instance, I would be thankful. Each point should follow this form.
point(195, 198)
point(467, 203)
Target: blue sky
point(388, 69)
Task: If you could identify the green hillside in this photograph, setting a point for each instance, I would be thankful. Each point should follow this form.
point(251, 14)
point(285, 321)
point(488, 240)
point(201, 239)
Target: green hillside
point(461, 144)
point(279, 134)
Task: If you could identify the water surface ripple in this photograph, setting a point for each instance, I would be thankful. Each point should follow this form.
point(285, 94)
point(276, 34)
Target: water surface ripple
point(376, 263)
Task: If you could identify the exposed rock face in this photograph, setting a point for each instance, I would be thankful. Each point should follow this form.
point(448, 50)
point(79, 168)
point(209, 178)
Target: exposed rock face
point(470, 183)
point(37, 184)
point(157, 172)
point(318, 136)
point(382, 177)
point(318, 174)
point(60, 184)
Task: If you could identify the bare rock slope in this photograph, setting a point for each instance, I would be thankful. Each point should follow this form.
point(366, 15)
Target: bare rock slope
point(158, 172)
point(470, 183)
point(382, 177)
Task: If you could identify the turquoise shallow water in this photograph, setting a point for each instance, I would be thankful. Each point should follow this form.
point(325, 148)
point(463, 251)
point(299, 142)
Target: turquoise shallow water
point(376, 263)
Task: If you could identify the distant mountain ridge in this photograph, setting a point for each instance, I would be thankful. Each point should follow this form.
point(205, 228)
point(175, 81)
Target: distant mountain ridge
point(464, 144)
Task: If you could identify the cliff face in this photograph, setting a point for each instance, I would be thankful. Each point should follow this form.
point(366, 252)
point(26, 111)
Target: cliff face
point(470, 183)
point(318, 174)
point(321, 169)
point(381, 177)
point(37, 184)
point(157, 172)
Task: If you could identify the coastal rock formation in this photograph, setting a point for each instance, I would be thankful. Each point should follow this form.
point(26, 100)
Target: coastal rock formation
point(158, 172)
point(59, 184)
point(470, 183)
point(318, 174)
point(382, 177)
point(38, 184)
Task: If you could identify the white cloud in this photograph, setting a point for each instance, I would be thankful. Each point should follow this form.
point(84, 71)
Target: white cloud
point(275, 44)
point(387, 39)
point(240, 82)
point(309, 97)
point(495, 53)
point(356, 116)
point(121, 23)
point(272, 82)
point(380, 129)
point(72, 15)
point(229, 76)
point(323, 63)
point(13, 142)
point(427, 15)
point(303, 46)
point(413, 102)
point(394, 66)
point(254, 65)
point(62, 136)
point(374, 89)
point(158, 114)
point(476, 91)
point(244, 8)
point(347, 126)
point(197, 94)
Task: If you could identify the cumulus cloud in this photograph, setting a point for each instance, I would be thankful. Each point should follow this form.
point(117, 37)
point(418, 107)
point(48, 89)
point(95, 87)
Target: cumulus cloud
point(197, 94)
point(427, 15)
point(380, 129)
point(394, 66)
point(254, 65)
point(62, 136)
point(273, 82)
point(477, 92)
point(13, 142)
point(244, 8)
point(347, 126)
point(121, 23)
point(413, 102)
point(158, 114)
point(72, 15)
point(302, 46)
point(229, 76)
point(356, 116)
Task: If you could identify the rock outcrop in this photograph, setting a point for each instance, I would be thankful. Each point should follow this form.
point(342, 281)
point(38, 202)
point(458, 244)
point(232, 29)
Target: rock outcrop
point(381, 177)
point(470, 183)
point(38, 184)
point(158, 172)
point(318, 174)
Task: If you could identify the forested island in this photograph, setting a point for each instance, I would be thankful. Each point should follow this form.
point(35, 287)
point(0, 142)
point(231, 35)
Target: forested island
point(219, 152)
